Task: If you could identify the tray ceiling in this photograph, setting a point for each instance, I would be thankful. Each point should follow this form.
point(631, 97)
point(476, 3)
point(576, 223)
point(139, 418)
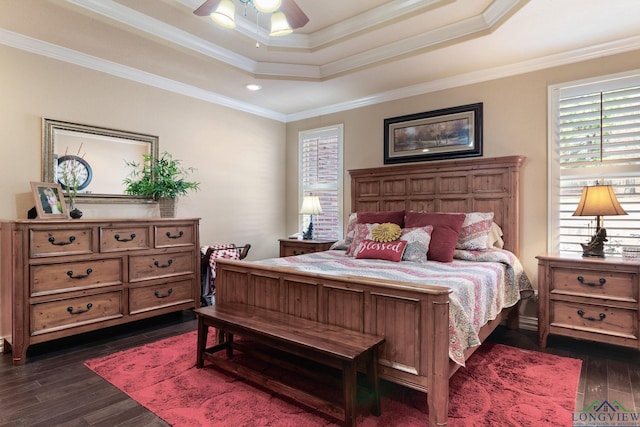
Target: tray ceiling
point(351, 53)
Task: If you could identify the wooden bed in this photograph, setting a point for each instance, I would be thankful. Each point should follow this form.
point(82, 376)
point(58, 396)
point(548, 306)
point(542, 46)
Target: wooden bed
point(413, 319)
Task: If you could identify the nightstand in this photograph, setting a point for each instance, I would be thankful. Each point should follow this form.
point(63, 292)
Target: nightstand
point(589, 298)
point(290, 247)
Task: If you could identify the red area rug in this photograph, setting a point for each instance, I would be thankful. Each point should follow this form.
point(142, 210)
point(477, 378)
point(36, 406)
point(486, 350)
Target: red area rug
point(501, 386)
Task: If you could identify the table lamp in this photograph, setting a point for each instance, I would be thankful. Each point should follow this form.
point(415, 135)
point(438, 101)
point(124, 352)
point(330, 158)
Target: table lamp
point(598, 200)
point(310, 206)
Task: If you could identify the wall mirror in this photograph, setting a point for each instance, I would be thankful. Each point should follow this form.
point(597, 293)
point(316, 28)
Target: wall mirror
point(103, 154)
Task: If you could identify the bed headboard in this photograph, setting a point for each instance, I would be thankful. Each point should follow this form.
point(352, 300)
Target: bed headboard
point(472, 185)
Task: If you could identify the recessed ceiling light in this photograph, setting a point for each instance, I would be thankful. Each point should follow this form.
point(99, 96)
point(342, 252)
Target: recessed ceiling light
point(253, 86)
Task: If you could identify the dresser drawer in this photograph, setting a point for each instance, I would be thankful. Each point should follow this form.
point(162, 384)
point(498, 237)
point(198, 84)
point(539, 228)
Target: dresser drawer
point(148, 298)
point(592, 283)
point(292, 250)
point(144, 267)
point(64, 277)
point(292, 247)
point(61, 314)
point(61, 242)
point(124, 238)
point(598, 319)
point(171, 235)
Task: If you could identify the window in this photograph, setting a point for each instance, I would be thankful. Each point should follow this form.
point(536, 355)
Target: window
point(321, 175)
point(594, 136)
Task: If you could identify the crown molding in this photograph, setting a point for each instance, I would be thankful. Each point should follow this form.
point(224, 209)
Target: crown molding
point(487, 20)
point(142, 22)
point(372, 18)
point(344, 29)
point(559, 59)
point(50, 50)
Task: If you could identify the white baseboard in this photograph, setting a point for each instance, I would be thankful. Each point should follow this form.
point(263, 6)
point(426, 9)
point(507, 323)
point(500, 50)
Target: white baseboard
point(529, 323)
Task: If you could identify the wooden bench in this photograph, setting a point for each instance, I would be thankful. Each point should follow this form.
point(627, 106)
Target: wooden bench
point(326, 344)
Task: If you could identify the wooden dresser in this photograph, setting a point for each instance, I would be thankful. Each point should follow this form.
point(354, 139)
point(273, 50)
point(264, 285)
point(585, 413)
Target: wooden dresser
point(65, 277)
point(594, 299)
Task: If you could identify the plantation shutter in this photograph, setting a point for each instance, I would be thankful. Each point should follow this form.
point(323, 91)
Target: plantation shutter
point(321, 175)
point(597, 139)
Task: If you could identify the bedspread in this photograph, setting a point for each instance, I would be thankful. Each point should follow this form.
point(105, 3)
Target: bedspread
point(483, 283)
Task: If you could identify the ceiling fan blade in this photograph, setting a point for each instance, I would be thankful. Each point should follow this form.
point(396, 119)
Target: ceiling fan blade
point(295, 15)
point(206, 8)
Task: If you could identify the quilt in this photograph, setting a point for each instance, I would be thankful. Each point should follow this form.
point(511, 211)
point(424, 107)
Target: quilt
point(483, 283)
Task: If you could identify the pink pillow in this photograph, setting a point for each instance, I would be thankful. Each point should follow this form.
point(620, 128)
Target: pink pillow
point(446, 229)
point(348, 236)
point(361, 232)
point(351, 225)
point(396, 217)
point(390, 251)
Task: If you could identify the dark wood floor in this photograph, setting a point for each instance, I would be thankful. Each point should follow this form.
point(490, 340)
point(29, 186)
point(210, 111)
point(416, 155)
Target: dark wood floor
point(54, 388)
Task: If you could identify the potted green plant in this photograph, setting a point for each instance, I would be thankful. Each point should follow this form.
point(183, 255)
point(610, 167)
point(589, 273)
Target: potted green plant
point(161, 179)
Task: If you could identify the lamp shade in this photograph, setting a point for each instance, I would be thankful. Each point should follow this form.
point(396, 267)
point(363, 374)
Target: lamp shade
point(598, 200)
point(279, 25)
point(224, 14)
point(311, 205)
point(267, 6)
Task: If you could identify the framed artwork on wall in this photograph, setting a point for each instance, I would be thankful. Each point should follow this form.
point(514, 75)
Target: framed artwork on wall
point(49, 200)
point(434, 135)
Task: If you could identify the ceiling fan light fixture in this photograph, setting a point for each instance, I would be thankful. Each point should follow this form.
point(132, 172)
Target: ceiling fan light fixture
point(224, 14)
point(279, 25)
point(267, 6)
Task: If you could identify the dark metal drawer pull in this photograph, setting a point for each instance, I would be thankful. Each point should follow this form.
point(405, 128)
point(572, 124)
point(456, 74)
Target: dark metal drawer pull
point(175, 236)
point(157, 264)
point(80, 310)
point(169, 292)
point(52, 240)
point(601, 281)
point(593, 319)
point(117, 237)
point(79, 276)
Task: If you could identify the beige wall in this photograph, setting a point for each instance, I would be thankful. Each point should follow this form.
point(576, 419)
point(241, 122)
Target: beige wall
point(238, 156)
point(515, 123)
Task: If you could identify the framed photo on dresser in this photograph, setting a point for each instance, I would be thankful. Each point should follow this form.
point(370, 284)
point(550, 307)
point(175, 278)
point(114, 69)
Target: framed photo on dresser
point(49, 200)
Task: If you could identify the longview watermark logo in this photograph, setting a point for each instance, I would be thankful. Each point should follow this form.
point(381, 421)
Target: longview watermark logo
point(602, 413)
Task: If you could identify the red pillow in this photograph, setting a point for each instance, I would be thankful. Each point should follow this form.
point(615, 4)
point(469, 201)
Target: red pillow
point(390, 251)
point(446, 229)
point(396, 217)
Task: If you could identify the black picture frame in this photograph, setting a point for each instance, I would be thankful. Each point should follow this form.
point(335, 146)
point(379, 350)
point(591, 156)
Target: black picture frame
point(448, 133)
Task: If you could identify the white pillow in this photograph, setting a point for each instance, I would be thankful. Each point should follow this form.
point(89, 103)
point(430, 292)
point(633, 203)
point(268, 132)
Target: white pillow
point(495, 237)
point(474, 234)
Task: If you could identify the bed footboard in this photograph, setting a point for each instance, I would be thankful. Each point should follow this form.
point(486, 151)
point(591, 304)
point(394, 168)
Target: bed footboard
point(414, 320)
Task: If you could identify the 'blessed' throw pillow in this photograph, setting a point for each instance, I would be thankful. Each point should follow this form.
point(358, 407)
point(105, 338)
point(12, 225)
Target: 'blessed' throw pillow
point(390, 251)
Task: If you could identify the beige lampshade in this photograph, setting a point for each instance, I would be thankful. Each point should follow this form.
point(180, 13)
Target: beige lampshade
point(598, 200)
point(267, 6)
point(311, 206)
point(279, 25)
point(225, 14)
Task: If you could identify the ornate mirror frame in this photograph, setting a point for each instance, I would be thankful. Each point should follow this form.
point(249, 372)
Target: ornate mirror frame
point(105, 150)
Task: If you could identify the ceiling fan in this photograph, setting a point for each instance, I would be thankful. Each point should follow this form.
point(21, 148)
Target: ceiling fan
point(222, 11)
